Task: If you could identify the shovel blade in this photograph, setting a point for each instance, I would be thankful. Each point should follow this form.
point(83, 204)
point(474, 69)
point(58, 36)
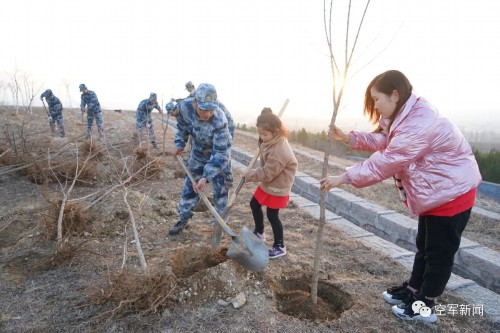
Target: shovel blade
point(249, 251)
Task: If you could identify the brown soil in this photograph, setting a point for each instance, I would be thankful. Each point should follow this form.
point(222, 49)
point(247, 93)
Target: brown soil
point(93, 280)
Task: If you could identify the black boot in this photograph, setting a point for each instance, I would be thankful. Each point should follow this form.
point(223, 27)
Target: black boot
point(417, 308)
point(177, 228)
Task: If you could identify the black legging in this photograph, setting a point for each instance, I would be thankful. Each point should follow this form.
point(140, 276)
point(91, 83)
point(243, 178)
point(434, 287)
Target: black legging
point(272, 216)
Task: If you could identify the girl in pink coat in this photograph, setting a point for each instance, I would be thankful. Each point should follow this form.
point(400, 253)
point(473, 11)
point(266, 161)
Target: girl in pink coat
point(435, 173)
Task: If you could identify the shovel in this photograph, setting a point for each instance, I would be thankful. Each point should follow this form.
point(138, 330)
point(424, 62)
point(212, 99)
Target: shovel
point(217, 234)
point(246, 249)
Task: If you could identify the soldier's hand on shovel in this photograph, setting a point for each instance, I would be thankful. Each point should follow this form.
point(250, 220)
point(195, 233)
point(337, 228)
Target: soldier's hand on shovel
point(177, 151)
point(200, 187)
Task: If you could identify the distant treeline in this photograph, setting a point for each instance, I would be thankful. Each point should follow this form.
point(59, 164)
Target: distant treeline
point(489, 163)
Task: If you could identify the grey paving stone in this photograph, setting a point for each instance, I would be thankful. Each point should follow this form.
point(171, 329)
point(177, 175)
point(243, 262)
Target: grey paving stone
point(477, 295)
point(482, 263)
point(365, 212)
point(386, 247)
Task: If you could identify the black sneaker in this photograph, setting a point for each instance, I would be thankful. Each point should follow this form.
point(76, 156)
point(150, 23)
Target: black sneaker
point(177, 228)
point(396, 295)
point(417, 308)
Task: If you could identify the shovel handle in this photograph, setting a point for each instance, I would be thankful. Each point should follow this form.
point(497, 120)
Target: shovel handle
point(205, 200)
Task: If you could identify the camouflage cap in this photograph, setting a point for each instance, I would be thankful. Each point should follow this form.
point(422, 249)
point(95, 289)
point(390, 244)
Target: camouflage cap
point(189, 84)
point(169, 106)
point(82, 87)
point(152, 96)
point(206, 97)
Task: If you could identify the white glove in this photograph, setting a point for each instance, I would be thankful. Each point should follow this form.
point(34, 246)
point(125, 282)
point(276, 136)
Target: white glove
point(50, 118)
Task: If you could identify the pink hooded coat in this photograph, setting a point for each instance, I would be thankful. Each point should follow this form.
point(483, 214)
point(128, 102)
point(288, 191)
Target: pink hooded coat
point(426, 151)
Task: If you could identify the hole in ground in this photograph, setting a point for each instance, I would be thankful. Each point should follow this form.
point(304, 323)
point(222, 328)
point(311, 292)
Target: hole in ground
point(191, 259)
point(294, 299)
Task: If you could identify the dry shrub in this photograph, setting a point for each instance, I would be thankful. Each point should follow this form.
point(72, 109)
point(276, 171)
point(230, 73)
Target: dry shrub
point(136, 292)
point(38, 172)
point(64, 255)
point(90, 148)
point(87, 175)
point(151, 167)
point(6, 157)
point(73, 219)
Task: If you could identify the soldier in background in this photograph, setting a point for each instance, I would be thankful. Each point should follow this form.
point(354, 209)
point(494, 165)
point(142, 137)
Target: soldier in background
point(190, 88)
point(55, 111)
point(143, 118)
point(90, 104)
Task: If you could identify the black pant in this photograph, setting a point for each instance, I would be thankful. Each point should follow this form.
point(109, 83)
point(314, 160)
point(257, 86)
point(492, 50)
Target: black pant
point(272, 216)
point(438, 239)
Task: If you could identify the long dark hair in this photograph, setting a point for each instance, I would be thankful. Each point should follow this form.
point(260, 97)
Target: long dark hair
point(270, 122)
point(386, 83)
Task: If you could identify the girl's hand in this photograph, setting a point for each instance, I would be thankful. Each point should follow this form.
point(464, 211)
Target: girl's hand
point(330, 182)
point(339, 134)
point(246, 175)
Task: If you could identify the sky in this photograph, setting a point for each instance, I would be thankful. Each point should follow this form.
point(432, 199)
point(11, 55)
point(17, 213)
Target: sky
point(257, 53)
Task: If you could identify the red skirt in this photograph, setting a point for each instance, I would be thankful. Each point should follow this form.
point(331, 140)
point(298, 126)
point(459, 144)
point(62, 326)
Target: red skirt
point(269, 200)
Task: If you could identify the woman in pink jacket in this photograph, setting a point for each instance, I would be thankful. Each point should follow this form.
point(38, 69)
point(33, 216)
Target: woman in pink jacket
point(435, 172)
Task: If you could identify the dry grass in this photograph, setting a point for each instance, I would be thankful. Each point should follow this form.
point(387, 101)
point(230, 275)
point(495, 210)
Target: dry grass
point(146, 165)
point(74, 219)
point(135, 292)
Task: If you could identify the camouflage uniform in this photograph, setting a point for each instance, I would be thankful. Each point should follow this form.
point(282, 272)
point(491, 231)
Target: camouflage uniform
point(230, 121)
point(209, 156)
point(55, 111)
point(143, 116)
point(91, 104)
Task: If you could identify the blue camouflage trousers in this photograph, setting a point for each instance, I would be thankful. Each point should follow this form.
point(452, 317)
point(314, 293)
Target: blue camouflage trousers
point(145, 120)
point(90, 121)
point(189, 199)
point(57, 118)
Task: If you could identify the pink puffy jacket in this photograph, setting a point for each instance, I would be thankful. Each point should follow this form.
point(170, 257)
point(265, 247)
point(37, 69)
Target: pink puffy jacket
point(426, 151)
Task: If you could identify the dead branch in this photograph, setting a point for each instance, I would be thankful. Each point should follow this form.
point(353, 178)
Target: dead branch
point(138, 247)
point(125, 248)
point(122, 183)
point(5, 152)
point(65, 193)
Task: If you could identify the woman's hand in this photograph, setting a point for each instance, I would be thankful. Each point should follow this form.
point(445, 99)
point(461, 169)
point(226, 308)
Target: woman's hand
point(330, 182)
point(339, 135)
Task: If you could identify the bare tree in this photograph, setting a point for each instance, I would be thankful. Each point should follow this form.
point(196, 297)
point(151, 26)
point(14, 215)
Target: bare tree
point(339, 77)
point(29, 91)
point(13, 86)
point(66, 84)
